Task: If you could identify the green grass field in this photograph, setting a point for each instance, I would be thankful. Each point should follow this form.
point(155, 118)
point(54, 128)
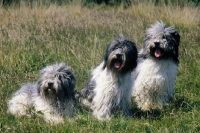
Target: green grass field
point(30, 39)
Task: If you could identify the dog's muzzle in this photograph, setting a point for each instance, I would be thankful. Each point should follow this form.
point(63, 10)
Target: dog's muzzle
point(117, 63)
point(157, 51)
point(50, 87)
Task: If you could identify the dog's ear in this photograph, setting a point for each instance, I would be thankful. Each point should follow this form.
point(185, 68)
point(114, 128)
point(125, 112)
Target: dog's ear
point(107, 52)
point(38, 88)
point(132, 54)
point(176, 36)
point(68, 81)
point(173, 33)
point(39, 84)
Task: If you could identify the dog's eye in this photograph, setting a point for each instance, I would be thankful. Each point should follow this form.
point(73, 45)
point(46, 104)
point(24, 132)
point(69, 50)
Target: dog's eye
point(115, 48)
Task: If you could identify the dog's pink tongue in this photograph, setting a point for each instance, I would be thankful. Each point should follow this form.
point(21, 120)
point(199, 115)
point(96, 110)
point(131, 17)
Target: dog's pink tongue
point(157, 53)
point(117, 64)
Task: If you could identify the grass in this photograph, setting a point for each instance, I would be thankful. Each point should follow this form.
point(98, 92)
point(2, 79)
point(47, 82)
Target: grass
point(33, 38)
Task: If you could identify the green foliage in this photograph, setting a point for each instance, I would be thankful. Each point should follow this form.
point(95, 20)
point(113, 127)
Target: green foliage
point(125, 3)
point(31, 38)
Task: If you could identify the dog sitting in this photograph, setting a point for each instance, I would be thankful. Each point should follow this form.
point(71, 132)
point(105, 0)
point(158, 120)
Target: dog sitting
point(52, 94)
point(110, 84)
point(157, 65)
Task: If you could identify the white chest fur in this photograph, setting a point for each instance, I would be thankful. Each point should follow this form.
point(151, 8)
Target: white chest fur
point(111, 91)
point(154, 83)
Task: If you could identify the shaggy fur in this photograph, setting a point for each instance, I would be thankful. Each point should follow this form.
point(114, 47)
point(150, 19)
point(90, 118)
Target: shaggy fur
point(157, 65)
point(111, 82)
point(52, 94)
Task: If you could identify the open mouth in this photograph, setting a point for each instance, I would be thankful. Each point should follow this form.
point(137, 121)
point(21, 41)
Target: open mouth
point(117, 64)
point(49, 89)
point(157, 52)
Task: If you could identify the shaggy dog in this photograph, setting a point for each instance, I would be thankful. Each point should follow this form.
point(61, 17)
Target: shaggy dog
point(111, 82)
point(52, 94)
point(155, 74)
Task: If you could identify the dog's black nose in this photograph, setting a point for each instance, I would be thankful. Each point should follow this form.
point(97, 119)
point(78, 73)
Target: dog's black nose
point(157, 44)
point(50, 84)
point(118, 56)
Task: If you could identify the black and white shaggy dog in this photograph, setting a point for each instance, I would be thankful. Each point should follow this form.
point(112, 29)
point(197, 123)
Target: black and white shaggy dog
point(52, 94)
point(157, 65)
point(111, 82)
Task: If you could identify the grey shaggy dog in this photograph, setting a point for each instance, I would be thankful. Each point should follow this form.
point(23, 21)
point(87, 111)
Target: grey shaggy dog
point(110, 84)
point(52, 94)
point(157, 65)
